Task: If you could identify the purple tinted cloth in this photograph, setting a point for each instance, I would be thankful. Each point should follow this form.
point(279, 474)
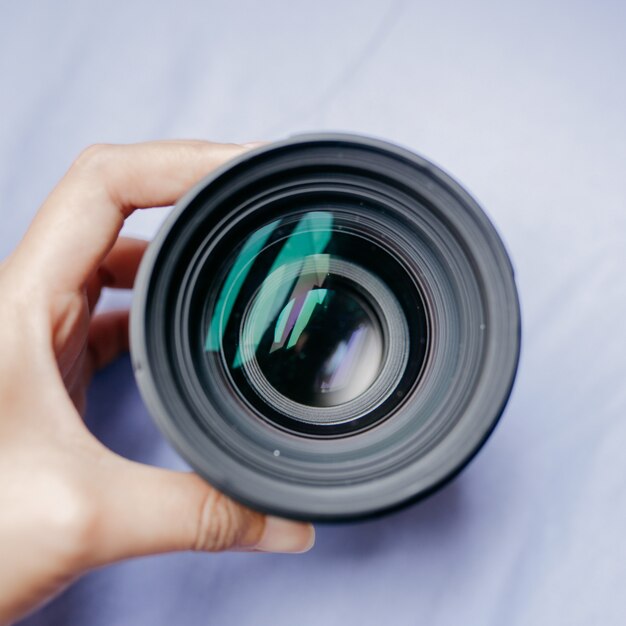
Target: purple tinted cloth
point(526, 106)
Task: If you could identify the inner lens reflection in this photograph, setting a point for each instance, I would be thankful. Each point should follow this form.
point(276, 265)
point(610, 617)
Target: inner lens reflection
point(326, 348)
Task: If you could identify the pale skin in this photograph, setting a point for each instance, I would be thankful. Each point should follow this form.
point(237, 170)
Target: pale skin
point(67, 503)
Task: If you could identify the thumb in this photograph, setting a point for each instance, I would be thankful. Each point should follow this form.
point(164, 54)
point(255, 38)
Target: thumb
point(147, 510)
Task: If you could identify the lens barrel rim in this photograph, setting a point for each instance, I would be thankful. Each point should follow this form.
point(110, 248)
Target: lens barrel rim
point(492, 349)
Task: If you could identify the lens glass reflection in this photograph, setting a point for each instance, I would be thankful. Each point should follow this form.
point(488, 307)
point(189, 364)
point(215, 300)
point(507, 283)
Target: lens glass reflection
point(305, 323)
point(323, 348)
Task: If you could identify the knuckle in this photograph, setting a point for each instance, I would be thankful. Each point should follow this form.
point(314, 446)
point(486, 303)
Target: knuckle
point(94, 158)
point(72, 519)
point(218, 524)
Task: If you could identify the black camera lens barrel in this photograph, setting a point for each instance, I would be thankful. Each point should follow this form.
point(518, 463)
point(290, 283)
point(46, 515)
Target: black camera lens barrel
point(326, 328)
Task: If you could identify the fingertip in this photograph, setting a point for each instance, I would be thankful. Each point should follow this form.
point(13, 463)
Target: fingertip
point(286, 536)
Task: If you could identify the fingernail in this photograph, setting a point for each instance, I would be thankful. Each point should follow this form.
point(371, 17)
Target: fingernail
point(254, 144)
point(281, 535)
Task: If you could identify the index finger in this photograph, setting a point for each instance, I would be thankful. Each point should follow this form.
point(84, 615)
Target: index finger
point(81, 219)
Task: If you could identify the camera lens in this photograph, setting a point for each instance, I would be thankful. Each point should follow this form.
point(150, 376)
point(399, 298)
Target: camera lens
point(326, 328)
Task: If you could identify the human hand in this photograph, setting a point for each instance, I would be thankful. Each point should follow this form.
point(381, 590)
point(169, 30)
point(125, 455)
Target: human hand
point(67, 503)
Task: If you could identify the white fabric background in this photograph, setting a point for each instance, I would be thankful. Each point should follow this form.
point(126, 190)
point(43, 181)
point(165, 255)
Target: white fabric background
point(525, 103)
